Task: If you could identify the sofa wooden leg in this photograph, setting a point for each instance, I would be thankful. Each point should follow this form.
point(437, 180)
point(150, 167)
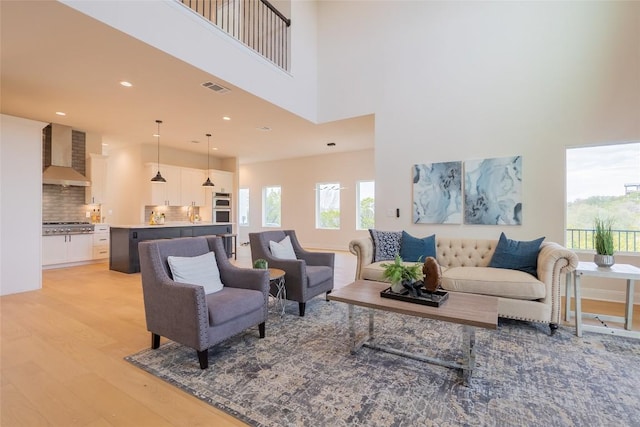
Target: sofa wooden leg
point(326, 297)
point(261, 329)
point(203, 358)
point(302, 306)
point(553, 327)
point(155, 341)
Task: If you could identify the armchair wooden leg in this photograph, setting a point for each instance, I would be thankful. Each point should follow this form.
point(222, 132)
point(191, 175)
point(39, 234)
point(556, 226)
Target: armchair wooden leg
point(261, 329)
point(326, 297)
point(301, 307)
point(553, 327)
point(155, 341)
point(203, 358)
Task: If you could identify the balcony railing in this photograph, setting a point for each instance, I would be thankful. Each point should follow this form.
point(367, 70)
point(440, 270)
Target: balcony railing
point(623, 240)
point(255, 23)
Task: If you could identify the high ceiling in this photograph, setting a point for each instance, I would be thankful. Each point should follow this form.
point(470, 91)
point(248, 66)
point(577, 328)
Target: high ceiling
point(57, 59)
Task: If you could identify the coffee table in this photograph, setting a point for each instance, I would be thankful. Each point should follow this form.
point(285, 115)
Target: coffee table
point(469, 310)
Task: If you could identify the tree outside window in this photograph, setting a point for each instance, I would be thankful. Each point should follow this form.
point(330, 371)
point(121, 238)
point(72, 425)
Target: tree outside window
point(271, 206)
point(328, 205)
point(243, 207)
point(365, 209)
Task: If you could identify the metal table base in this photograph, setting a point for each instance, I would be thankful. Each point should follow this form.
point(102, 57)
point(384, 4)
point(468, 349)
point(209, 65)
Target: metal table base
point(468, 340)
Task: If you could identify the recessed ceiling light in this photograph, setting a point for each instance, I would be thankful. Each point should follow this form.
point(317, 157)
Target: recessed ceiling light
point(126, 84)
point(104, 144)
point(264, 128)
point(214, 148)
point(60, 113)
point(226, 118)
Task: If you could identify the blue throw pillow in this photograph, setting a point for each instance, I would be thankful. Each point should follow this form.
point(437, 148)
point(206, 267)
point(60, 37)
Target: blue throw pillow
point(413, 249)
point(386, 244)
point(516, 255)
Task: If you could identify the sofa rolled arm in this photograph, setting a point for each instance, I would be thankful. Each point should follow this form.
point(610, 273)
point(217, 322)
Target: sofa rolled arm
point(554, 261)
point(363, 250)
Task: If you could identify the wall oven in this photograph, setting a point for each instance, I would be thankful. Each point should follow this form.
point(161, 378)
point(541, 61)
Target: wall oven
point(221, 208)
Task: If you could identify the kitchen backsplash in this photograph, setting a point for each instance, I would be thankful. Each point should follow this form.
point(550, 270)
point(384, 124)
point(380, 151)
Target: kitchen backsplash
point(64, 204)
point(171, 213)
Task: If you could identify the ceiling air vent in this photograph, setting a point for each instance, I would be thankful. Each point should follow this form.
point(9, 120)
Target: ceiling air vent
point(215, 87)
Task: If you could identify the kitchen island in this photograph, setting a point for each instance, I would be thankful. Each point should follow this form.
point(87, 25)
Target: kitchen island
point(124, 239)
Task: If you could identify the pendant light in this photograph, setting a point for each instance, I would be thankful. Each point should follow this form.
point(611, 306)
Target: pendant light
point(208, 182)
point(158, 177)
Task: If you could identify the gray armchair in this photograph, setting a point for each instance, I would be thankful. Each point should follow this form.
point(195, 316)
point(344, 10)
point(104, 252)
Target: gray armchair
point(183, 312)
point(305, 277)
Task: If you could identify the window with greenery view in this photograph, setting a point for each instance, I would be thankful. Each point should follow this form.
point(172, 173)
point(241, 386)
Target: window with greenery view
point(604, 182)
point(328, 205)
point(243, 207)
point(365, 209)
point(271, 206)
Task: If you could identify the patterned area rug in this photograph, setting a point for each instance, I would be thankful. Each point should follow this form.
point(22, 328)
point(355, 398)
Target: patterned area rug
point(302, 374)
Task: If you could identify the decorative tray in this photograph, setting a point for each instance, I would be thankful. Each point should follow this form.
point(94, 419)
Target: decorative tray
point(432, 299)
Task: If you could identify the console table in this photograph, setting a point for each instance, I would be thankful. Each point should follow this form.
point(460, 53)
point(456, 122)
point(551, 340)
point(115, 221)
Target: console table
point(616, 271)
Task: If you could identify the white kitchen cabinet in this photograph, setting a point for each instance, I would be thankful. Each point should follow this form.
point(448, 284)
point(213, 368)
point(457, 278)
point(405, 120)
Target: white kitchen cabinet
point(97, 173)
point(192, 192)
point(101, 241)
point(163, 193)
point(67, 248)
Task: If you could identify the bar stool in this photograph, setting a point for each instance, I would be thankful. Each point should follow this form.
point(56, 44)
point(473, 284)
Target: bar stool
point(233, 238)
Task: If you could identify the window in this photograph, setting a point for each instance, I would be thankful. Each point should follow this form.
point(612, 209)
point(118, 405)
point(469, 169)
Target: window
point(243, 207)
point(271, 206)
point(365, 209)
point(328, 206)
point(604, 181)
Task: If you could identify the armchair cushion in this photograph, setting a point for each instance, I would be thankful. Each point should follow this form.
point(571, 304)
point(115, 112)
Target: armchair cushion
point(197, 270)
point(282, 249)
point(230, 303)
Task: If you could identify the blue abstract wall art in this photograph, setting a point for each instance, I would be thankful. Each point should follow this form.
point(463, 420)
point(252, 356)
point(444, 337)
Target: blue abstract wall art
point(437, 193)
point(493, 191)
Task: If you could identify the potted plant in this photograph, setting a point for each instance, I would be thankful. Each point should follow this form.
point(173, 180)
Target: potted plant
point(397, 273)
point(603, 242)
point(261, 264)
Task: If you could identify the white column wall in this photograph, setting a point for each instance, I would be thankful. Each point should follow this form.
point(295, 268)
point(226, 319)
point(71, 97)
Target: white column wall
point(20, 204)
point(454, 81)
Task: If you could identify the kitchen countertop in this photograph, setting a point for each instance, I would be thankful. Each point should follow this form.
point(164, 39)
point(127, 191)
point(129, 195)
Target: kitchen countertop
point(172, 224)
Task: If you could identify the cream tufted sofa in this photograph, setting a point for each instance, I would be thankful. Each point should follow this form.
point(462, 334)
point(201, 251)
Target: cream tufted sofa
point(465, 268)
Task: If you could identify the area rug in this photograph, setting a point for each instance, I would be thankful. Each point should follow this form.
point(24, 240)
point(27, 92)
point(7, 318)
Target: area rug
point(302, 374)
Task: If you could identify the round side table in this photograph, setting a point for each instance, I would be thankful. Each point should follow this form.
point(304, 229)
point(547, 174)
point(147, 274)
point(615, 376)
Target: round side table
point(278, 290)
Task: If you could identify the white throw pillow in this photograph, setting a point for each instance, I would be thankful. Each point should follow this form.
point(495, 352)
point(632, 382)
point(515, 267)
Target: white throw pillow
point(198, 270)
point(282, 249)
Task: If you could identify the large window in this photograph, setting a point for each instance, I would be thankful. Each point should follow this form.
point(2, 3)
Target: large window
point(604, 181)
point(328, 205)
point(365, 209)
point(271, 206)
point(243, 207)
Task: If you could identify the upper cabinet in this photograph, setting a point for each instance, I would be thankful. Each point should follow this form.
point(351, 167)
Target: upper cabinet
point(192, 191)
point(183, 186)
point(97, 173)
point(163, 193)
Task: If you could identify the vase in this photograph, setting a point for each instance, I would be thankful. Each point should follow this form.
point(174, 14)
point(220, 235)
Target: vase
point(397, 287)
point(604, 260)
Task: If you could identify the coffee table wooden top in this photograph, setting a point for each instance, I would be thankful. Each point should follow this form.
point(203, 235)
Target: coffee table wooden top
point(465, 309)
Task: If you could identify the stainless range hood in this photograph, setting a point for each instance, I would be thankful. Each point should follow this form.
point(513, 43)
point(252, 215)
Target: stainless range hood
point(60, 172)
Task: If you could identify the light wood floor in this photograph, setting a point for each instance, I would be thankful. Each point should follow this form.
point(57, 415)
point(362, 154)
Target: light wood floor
point(62, 352)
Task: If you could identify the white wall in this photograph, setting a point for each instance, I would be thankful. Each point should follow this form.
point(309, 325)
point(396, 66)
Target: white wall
point(298, 178)
point(467, 80)
point(20, 204)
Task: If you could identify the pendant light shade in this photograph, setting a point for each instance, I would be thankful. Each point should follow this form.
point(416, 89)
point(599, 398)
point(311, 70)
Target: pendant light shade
point(208, 182)
point(158, 177)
